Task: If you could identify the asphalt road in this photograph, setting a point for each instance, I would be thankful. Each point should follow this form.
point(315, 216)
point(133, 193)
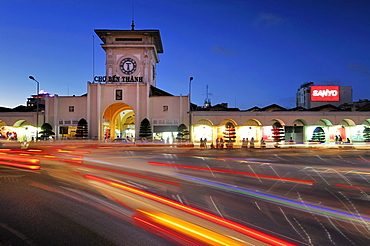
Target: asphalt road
point(301, 196)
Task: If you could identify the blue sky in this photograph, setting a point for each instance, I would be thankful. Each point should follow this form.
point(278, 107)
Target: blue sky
point(249, 53)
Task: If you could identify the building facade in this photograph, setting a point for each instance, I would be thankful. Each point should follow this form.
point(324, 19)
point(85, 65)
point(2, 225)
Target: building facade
point(311, 96)
point(116, 103)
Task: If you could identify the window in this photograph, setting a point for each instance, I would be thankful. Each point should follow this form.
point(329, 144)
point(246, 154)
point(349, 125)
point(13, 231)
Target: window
point(63, 130)
point(129, 39)
point(118, 95)
point(165, 108)
point(71, 108)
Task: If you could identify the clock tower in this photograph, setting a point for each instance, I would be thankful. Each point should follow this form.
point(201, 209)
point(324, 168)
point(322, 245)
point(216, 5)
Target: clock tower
point(131, 55)
point(119, 100)
point(118, 103)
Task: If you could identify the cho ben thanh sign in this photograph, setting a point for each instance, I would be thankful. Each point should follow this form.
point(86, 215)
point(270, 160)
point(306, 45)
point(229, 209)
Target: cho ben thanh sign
point(115, 78)
point(325, 93)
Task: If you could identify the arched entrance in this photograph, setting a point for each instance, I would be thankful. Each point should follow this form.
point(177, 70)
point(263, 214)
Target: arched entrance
point(119, 122)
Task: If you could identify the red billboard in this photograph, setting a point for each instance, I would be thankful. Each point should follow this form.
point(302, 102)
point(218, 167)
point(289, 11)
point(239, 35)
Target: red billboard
point(325, 93)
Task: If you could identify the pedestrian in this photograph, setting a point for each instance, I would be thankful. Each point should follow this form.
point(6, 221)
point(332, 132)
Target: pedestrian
point(340, 139)
point(291, 141)
point(263, 143)
point(252, 143)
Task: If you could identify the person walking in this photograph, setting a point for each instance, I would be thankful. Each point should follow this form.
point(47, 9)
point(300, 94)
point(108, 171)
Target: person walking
point(252, 143)
point(263, 143)
point(221, 143)
point(243, 143)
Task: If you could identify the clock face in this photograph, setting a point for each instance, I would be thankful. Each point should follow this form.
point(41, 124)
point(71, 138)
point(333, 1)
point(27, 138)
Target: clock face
point(128, 66)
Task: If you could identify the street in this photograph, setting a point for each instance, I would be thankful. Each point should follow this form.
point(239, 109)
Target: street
point(113, 194)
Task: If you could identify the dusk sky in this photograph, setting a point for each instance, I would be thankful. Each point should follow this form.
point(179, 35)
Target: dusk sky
point(249, 53)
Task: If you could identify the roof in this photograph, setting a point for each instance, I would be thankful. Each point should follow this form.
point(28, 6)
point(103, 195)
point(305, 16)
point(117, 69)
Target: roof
point(20, 108)
point(155, 92)
point(326, 107)
point(273, 107)
point(365, 107)
point(217, 107)
point(102, 33)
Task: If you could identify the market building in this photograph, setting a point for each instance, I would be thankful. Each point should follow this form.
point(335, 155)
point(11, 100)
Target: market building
point(116, 104)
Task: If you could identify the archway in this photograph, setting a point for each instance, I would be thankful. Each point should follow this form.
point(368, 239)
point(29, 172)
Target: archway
point(2, 123)
point(119, 121)
point(22, 123)
point(295, 132)
point(203, 129)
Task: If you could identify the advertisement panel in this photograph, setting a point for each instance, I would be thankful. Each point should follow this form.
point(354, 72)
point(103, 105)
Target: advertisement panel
point(325, 93)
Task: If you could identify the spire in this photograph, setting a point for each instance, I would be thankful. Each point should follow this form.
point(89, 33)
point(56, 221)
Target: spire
point(133, 16)
point(207, 101)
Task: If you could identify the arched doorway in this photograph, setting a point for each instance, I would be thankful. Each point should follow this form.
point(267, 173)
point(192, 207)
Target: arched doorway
point(203, 129)
point(119, 122)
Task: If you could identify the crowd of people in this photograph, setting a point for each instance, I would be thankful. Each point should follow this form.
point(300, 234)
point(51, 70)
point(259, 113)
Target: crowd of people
point(221, 143)
point(9, 136)
point(246, 143)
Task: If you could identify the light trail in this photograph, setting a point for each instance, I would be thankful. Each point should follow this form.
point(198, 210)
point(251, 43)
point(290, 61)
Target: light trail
point(253, 175)
point(129, 174)
point(27, 166)
point(205, 215)
point(283, 201)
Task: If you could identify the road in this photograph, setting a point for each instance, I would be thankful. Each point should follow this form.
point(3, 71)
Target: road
point(113, 194)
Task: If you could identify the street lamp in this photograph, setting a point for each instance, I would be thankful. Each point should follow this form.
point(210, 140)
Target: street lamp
point(37, 105)
point(191, 78)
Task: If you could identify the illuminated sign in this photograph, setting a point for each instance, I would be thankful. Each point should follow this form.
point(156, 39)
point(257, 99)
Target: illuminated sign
point(324, 93)
point(115, 78)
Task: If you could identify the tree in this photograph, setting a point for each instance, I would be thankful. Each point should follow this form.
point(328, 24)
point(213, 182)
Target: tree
point(366, 134)
point(82, 130)
point(182, 132)
point(229, 134)
point(278, 133)
point(145, 129)
point(46, 131)
point(318, 135)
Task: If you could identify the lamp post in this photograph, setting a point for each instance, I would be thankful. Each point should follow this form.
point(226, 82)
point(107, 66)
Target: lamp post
point(37, 105)
point(191, 78)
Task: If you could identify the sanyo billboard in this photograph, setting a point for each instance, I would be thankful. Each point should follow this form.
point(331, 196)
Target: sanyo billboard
point(325, 93)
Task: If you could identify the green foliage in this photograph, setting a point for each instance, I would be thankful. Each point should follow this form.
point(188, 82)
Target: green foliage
point(318, 135)
point(278, 134)
point(229, 135)
point(145, 129)
point(82, 130)
point(366, 134)
point(182, 132)
point(46, 130)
